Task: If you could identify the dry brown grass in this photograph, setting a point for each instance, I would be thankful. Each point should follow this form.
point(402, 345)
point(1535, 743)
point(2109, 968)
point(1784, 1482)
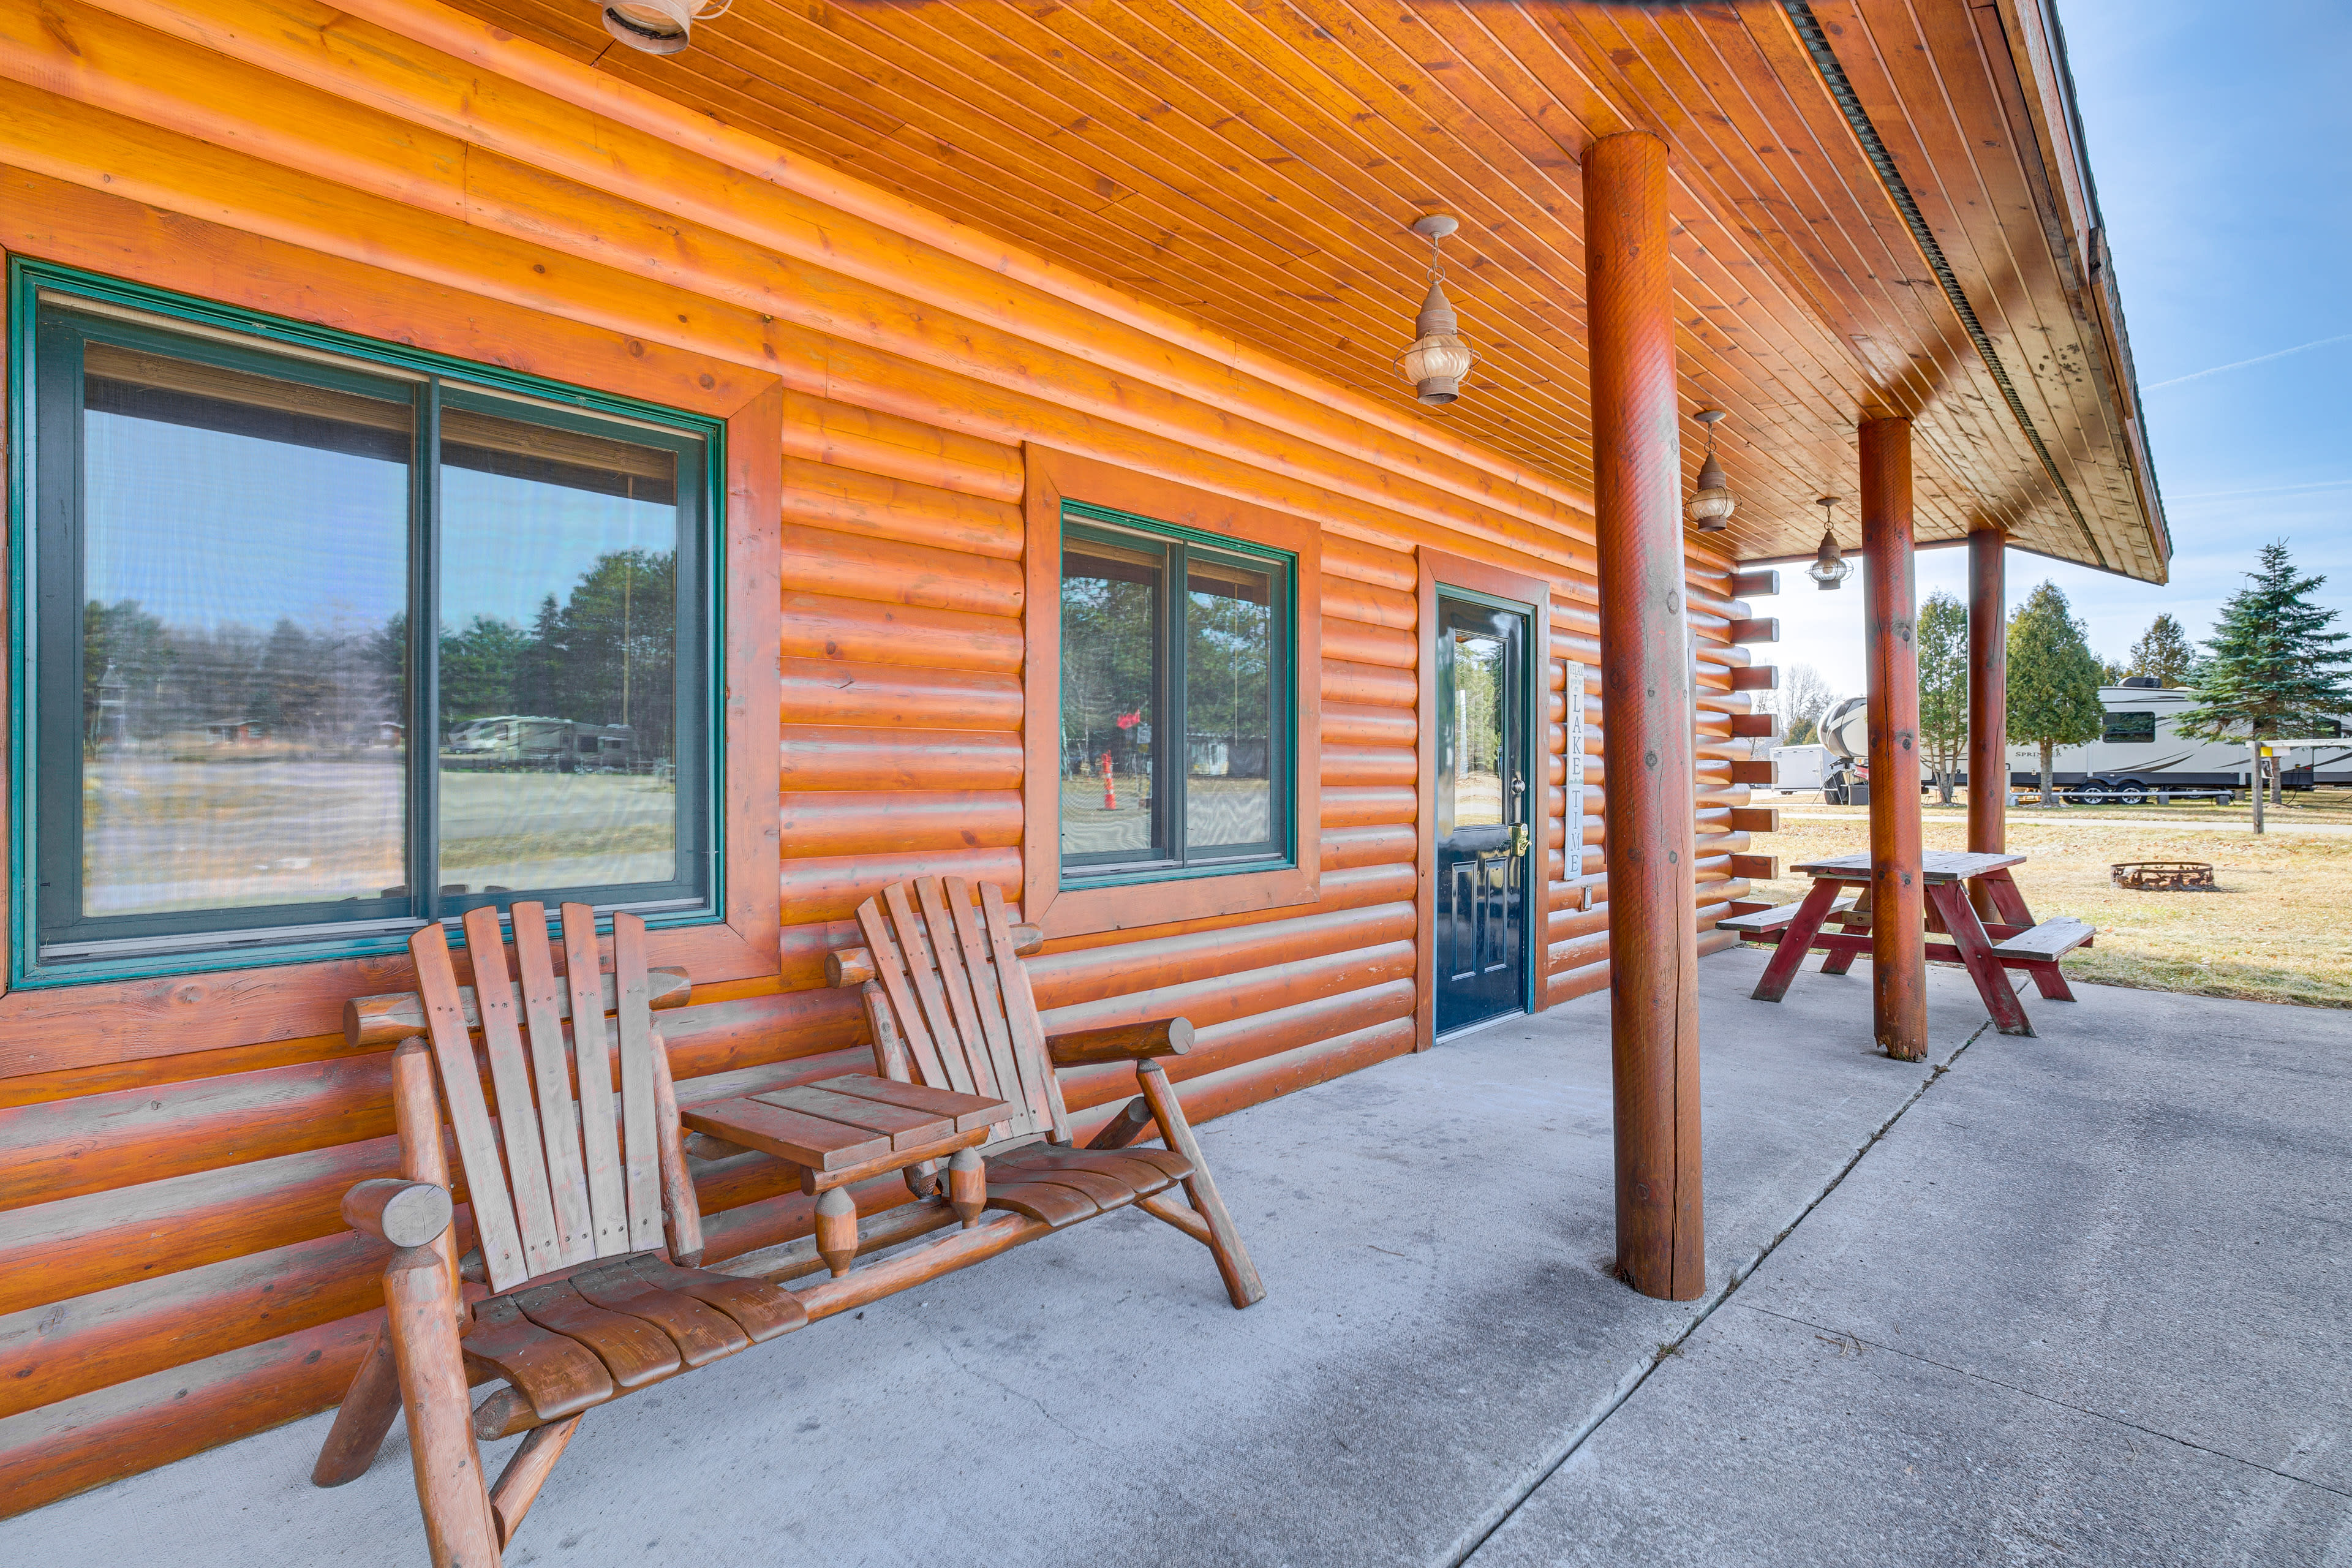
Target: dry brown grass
point(2273, 931)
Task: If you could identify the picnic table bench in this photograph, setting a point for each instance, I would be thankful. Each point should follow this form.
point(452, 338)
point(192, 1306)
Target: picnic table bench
point(1987, 949)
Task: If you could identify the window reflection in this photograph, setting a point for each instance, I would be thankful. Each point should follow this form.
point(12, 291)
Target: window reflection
point(245, 553)
point(1110, 677)
point(1229, 704)
point(558, 627)
point(1477, 781)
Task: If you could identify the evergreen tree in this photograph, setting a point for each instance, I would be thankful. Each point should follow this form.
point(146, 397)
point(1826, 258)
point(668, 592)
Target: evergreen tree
point(1943, 649)
point(2272, 667)
point(2163, 653)
point(2053, 680)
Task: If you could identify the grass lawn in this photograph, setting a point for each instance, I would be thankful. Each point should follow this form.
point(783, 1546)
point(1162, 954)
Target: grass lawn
point(2273, 931)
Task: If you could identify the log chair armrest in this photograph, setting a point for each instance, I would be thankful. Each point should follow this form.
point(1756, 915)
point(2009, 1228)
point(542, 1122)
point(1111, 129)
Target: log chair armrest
point(406, 1213)
point(1121, 1043)
point(847, 968)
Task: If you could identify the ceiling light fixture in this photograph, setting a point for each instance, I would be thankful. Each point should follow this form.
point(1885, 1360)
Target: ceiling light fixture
point(659, 26)
point(1438, 359)
point(1711, 504)
point(1829, 568)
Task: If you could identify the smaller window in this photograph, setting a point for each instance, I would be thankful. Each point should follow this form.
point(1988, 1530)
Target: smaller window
point(2129, 728)
point(1175, 710)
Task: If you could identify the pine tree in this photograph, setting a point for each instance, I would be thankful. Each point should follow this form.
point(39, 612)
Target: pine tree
point(1943, 649)
point(2163, 653)
point(2272, 667)
point(2053, 680)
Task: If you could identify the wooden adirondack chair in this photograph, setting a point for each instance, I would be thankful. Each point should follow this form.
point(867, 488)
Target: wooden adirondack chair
point(950, 1005)
point(585, 1303)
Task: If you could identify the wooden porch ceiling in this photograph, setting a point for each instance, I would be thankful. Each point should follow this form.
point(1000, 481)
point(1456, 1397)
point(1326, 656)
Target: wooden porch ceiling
point(1254, 165)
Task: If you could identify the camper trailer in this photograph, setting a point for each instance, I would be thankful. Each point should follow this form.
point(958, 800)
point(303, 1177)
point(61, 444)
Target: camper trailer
point(562, 745)
point(2140, 754)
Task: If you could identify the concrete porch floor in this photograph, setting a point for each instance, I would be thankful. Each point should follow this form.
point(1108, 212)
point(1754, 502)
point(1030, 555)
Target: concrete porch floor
point(2078, 1299)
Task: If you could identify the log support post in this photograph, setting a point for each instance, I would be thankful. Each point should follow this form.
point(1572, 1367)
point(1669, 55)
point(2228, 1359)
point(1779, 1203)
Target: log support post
point(1898, 943)
point(1646, 696)
point(1988, 704)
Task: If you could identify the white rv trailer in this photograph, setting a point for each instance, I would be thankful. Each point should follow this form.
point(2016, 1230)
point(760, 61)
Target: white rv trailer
point(2141, 752)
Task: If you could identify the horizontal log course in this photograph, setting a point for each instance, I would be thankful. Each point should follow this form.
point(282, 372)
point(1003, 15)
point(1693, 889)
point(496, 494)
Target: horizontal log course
point(85, 1441)
point(822, 625)
point(1371, 564)
point(70, 1347)
point(1348, 888)
point(839, 757)
point(1342, 766)
point(1370, 605)
point(1357, 724)
point(98, 1240)
point(1756, 677)
point(1366, 806)
point(1756, 726)
point(830, 887)
point(1569, 984)
point(1711, 942)
point(863, 822)
point(887, 571)
point(1756, 867)
point(1345, 848)
point(1068, 979)
point(1568, 923)
point(844, 435)
point(1213, 1001)
point(1758, 583)
point(1253, 1038)
point(890, 696)
point(1756, 818)
point(1353, 642)
point(872, 506)
point(1753, 772)
point(1577, 952)
point(1253, 1083)
point(1371, 685)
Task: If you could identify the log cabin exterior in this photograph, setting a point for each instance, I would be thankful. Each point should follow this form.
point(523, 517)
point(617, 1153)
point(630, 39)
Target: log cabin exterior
point(931, 286)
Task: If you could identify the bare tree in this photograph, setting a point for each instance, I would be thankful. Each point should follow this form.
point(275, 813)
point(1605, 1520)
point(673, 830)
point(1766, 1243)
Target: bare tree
point(1800, 701)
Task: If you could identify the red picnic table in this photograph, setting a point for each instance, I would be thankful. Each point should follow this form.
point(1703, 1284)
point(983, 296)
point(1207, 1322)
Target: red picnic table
point(1987, 949)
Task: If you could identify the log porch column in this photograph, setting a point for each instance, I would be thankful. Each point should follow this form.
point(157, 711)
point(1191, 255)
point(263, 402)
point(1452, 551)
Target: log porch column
point(1646, 695)
point(1899, 940)
point(1988, 702)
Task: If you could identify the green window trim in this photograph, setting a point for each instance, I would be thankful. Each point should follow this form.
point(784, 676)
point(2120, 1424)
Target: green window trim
point(42, 537)
point(1177, 858)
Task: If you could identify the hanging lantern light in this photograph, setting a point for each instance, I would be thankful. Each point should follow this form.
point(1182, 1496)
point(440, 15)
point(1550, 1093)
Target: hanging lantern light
point(659, 26)
point(1438, 359)
point(1711, 504)
point(1829, 568)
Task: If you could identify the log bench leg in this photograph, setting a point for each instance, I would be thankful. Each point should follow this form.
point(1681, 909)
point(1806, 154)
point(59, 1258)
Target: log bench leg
point(2051, 981)
point(421, 1317)
point(967, 1186)
point(1992, 978)
point(1796, 941)
point(369, 1406)
point(837, 1230)
point(1224, 1241)
point(528, 1471)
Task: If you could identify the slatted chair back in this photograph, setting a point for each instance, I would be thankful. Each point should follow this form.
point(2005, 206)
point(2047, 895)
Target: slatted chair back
point(960, 1015)
point(555, 1181)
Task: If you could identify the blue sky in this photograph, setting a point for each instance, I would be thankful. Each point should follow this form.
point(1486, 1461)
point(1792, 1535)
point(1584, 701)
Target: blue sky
point(2221, 139)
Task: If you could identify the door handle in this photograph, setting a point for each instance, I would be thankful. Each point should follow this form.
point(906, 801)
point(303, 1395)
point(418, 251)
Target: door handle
point(1520, 839)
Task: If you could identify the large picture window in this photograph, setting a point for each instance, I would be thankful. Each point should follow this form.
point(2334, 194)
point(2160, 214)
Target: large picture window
point(326, 642)
point(1175, 699)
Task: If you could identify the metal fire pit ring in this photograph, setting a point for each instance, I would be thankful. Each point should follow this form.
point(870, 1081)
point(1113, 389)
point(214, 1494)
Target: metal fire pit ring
point(2163, 876)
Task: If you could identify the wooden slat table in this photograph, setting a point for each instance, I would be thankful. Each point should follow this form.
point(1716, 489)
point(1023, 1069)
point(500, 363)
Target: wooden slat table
point(844, 1129)
point(1946, 873)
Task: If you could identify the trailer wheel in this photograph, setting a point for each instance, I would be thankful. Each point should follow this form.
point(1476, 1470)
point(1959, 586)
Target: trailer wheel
point(2131, 792)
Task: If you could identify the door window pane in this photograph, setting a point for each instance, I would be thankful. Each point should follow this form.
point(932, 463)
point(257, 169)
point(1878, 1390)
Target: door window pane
point(1111, 672)
point(1477, 781)
point(244, 565)
point(1229, 704)
point(558, 626)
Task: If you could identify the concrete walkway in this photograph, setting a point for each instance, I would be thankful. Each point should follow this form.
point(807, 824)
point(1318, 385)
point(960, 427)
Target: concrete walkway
point(2075, 1300)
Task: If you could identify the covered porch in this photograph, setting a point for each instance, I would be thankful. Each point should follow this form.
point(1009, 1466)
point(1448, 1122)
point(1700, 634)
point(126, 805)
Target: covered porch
point(2050, 1297)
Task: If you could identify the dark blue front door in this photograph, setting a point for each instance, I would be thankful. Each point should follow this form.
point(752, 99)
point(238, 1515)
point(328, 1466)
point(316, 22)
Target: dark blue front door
point(1483, 795)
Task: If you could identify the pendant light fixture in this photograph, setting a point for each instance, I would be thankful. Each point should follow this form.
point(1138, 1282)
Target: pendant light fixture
point(1829, 569)
point(1438, 359)
point(659, 26)
point(1711, 504)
